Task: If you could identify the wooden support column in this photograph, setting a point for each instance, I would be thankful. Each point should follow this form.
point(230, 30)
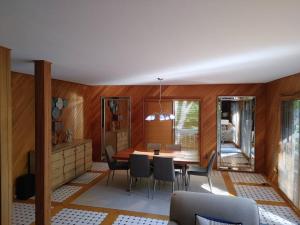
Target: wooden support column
point(5, 136)
point(42, 142)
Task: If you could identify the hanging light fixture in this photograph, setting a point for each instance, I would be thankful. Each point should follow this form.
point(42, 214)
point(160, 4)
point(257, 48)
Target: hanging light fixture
point(161, 115)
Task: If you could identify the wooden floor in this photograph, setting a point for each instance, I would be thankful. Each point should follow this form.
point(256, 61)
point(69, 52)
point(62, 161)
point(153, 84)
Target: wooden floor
point(239, 184)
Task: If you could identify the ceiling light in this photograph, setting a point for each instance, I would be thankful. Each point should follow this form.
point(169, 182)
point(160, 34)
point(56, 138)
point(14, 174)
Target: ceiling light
point(161, 116)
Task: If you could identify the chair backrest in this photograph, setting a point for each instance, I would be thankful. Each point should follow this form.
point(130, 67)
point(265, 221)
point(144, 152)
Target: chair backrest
point(163, 168)
point(109, 152)
point(153, 146)
point(173, 147)
point(139, 165)
point(211, 162)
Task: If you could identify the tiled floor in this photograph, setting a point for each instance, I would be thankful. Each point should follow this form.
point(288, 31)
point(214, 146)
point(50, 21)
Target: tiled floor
point(277, 215)
point(253, 178)
point(64, 192)
point(245, 184)
point(258, 193)
point(23, 214)
point(86, 178)
point(135, 220)
point(78, 217)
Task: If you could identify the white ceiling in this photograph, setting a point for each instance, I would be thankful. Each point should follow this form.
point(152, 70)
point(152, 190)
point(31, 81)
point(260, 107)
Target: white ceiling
point(134, 41)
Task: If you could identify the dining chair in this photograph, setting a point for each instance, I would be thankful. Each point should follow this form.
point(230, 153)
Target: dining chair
point(178, 167)
point(114, 164)
point(153, 146)
point(140, 168)
point(163, 170)
point(202, 171)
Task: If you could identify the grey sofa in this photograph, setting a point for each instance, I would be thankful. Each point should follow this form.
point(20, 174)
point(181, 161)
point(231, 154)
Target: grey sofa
point(184, 206)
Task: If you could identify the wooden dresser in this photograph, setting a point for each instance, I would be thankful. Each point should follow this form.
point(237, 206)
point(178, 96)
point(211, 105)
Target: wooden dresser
point(70, 160)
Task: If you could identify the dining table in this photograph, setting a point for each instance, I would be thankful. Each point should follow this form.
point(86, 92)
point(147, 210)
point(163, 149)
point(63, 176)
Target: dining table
point(182, 157)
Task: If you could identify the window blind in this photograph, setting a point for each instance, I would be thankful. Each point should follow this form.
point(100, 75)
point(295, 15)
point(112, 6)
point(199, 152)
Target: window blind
point(186, 125)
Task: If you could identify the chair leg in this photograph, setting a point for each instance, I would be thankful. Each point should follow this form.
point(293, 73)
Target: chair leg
point(154, 185)
point(108, 177)
point(148, 184)
point(209, 182)
point(188, 178)
point(130, 183)
point(113, 175)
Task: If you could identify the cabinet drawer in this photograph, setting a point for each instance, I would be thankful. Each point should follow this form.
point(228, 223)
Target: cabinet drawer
point(88, 148)
point(69, 152)
point(79, 162)
point(88, 165)
point(80, 170)
point(69, 159)
point(57, 172)
point(57, 156)
point(80, 148)
point(80, 155)
point(57, 164)
point(69, 167)
point(57, 181)
point(69, 175)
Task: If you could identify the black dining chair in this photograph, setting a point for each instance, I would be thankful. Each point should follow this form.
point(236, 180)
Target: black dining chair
point(140, 168)
point(202, 171)
point(163, 170)
point(114, 164)
point(178, 167)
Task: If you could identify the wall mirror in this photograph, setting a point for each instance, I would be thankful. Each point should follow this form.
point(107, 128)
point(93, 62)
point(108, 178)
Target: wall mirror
point(115, 123)
point(236, 132)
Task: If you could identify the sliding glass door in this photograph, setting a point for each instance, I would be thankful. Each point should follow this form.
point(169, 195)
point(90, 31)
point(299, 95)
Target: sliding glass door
point(288, 161)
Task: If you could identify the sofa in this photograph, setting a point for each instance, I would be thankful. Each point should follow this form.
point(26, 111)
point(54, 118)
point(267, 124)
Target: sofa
point(184, 206)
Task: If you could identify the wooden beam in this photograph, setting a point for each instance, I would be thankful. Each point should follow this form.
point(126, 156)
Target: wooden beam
point(42, 142)
point(5, 136)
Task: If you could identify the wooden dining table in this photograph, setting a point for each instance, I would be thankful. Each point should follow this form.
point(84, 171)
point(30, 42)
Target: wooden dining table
point(182, 157)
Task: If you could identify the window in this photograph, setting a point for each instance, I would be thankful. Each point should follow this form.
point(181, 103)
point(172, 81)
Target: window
point(186, 125)
point(288, 160)
point(183, 130)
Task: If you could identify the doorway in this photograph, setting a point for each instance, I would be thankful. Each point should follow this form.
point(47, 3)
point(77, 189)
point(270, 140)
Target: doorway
point(236, 132)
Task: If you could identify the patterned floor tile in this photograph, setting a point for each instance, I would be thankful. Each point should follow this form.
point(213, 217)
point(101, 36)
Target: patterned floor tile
point(134, 220)
point(86, 178)
point(258, 193)
point(23, 214)
point(277, 215)
point(78, 217)
point(254, 178)
point(64, 192)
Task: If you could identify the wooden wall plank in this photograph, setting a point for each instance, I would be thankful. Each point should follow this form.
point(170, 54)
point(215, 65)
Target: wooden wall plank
point(206, 93)
point(5, 137)
point(85, 104)
point(43, 145)
point(276, 91)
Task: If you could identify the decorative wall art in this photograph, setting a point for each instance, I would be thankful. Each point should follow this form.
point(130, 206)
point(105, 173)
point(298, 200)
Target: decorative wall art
point(59, 135)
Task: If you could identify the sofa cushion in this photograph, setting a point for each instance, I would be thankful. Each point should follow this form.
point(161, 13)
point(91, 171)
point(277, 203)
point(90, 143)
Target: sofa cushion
point(199, 220)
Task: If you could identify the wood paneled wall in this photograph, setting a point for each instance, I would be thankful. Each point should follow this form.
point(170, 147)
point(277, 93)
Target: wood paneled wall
point(208, 97)
point(276, 90)
point(23, 112)
point(83, 113)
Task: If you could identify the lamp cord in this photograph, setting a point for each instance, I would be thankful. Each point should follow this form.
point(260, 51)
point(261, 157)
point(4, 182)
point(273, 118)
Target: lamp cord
point(159, 102)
